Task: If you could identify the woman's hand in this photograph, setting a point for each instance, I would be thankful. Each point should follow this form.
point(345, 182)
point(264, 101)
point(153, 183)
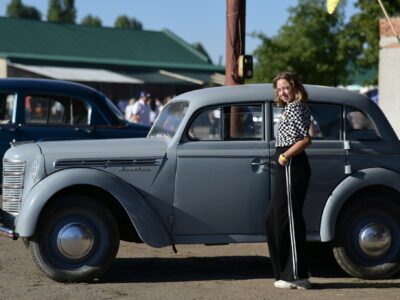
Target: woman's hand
point(283, 160)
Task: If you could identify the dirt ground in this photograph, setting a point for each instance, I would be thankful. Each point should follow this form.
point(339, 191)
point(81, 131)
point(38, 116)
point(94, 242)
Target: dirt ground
point(196, 272)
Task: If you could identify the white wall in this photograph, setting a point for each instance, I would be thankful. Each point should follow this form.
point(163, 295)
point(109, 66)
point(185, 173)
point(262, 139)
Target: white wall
point(389, 80)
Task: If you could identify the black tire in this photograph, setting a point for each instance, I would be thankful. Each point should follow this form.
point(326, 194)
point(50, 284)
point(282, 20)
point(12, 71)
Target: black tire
point(76, 240)
point(367, 238)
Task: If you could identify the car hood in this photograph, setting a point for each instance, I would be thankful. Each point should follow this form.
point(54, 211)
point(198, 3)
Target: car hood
point(101, 153)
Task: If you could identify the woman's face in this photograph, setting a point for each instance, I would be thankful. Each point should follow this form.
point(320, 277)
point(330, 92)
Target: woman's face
point(284, 91)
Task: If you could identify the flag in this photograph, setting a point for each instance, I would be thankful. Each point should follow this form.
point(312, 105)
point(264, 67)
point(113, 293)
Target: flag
point(331, 5)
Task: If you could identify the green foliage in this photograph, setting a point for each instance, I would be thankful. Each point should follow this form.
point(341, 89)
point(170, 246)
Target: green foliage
point(16, 9)
point(125, 22)
point(90, 20)
point(362, 34)
point(310, 43)
point(61, 11)
point(320, 47)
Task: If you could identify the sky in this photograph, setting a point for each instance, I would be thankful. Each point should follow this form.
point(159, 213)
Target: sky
point(194, 21)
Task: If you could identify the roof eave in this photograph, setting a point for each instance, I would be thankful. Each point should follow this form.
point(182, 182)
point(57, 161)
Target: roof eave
point(112, 61)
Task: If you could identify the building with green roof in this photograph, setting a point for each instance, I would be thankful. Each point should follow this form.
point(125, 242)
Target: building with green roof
point(119, 62)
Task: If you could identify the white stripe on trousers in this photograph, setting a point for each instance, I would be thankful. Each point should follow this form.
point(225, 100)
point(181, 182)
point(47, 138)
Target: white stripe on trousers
point(288, 174)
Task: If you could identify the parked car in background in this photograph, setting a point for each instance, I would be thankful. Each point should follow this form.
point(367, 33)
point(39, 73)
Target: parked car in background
point(204, 175)
point(39, 110)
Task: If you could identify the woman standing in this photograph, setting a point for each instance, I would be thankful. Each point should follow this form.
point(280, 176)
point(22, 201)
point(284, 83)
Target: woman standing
point(285, 225)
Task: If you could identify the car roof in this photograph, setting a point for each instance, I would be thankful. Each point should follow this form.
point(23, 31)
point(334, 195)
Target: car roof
point(265, 92)
point(48, 85)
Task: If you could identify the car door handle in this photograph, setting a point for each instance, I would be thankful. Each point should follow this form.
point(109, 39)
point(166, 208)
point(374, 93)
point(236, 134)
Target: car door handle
point(263, 162)
point(85, 129)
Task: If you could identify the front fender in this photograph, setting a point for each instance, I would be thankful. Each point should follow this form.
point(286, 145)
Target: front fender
point(350, 185)
point(145, 219)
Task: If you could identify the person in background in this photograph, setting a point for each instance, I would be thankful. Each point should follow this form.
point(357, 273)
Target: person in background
point(285, 226)
point(141, 110)
point(155, 109)
point(129, 115)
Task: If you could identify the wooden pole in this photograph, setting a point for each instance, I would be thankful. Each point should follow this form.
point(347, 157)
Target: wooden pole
point(235, 39)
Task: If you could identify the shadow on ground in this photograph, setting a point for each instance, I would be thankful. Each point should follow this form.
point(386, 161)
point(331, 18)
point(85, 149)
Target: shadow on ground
point(322, 264)
point(188, 269)
point(206, 268)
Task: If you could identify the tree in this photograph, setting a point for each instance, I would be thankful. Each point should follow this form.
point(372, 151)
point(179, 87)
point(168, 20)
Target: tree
point(69, 11)
point(90, 20)
point(362, 34)
point(310, 43)
point(124, 21)
point(16, 9)
point(61, 12)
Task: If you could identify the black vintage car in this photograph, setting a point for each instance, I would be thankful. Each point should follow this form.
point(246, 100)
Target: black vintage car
point(39, 110)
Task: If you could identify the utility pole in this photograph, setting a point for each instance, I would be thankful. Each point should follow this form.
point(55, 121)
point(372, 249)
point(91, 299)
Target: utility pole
point(235, 39)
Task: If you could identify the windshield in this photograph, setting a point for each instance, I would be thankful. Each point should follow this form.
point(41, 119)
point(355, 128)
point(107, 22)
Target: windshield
point(115, 110)
point(169, 120)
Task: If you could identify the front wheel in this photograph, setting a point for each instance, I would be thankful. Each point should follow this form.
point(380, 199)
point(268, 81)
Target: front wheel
point(77, 240)
point(367, 239)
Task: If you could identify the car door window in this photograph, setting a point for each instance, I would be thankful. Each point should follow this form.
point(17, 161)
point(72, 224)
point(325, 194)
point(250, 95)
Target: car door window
point(243, 122)
point(55, 110)
point(359, 126)
point(325, 121)
point(230, 122)
point(207, 125)
point(7, 107)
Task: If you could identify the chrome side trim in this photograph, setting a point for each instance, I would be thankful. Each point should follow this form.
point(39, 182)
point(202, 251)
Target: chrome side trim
point(106, 163)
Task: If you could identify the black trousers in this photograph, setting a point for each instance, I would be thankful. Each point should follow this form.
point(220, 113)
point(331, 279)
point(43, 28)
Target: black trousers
point(285, 227)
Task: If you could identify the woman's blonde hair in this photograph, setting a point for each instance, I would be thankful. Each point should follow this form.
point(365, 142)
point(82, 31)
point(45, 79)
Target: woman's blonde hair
point(300, 93)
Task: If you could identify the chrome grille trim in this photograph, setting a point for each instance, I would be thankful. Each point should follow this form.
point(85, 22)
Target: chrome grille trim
point(13, 185)
point(105, 163)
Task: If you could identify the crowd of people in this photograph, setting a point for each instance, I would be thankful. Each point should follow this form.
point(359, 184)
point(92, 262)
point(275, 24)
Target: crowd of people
point(144, 110)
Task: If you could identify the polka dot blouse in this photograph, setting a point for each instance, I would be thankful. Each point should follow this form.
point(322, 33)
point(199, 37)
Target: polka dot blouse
point(293, 124)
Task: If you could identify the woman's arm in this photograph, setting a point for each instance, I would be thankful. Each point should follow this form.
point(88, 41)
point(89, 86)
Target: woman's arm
point(295, 149)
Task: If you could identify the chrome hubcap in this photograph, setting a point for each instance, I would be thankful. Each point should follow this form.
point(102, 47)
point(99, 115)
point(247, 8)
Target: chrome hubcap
point(374, 239)
point(75, 240)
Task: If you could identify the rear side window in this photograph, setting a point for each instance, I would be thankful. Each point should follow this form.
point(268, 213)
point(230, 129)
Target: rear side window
point(359, 126)
point(325, 121)
point(55, 110)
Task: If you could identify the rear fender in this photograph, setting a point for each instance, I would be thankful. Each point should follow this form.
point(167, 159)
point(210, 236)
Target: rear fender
point(144, 218)
point(350, 185)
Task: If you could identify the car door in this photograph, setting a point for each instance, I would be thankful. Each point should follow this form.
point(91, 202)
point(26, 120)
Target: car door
point(222, 175)
point(327, 157)
point(47, 116)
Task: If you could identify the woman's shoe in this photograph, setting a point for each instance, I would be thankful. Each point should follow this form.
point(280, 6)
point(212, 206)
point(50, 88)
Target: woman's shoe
point(282, 284)
point(301, 284)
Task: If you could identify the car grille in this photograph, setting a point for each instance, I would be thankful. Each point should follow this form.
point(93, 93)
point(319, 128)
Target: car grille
point(13, 184)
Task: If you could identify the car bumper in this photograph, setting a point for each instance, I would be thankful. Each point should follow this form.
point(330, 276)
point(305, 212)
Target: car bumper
point(6, 225)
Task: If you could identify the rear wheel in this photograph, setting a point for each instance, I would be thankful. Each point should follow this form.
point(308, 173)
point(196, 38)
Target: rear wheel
point(77, 240)
point(367, 239)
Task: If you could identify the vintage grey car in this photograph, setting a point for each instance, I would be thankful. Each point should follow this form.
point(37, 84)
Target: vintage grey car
point(204, 175)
